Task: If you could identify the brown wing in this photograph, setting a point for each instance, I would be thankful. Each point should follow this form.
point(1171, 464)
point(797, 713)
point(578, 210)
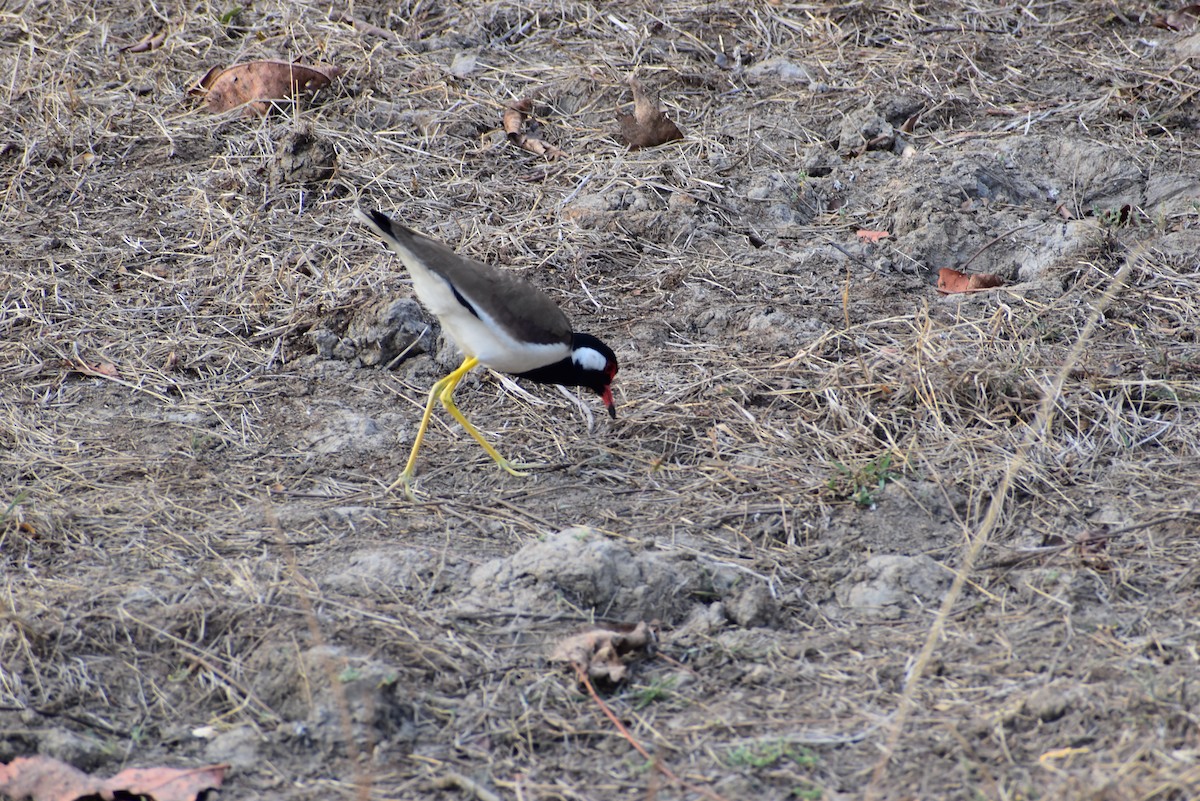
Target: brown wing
point(517, 305)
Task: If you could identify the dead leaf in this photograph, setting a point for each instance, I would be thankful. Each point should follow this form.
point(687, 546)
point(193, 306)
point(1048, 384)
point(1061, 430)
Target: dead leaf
point(647, 126)
point(601, 652)
point(514, 119)
point(148, 43)
point(952, 281)
point(1093, 548)
point(42, 778)
point(167, 784)
point(871, 236)
point(362, 26)
point(99, 369)
point(255, 84)
point(1180, 20)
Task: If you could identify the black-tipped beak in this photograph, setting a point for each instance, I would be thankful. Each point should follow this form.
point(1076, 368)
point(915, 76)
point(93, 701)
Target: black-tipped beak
point(607, 397)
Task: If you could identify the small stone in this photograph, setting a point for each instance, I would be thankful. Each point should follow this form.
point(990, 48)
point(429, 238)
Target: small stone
point(464, 64)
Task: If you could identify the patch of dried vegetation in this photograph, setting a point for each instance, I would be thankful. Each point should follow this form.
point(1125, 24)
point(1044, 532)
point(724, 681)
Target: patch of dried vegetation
point(171, 514)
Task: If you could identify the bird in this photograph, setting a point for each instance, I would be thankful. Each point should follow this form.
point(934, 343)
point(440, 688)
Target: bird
point(497, 320)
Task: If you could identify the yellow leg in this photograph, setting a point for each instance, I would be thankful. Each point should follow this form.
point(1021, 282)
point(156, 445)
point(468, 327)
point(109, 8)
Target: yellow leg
point(448, 402)
point(405, 478)
point(442, 391)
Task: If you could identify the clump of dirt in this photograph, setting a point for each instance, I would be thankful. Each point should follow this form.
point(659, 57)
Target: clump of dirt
point(580, 569)
point(889, 586)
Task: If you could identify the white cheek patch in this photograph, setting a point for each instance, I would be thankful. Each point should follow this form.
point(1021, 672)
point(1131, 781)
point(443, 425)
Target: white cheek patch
point(589, 359)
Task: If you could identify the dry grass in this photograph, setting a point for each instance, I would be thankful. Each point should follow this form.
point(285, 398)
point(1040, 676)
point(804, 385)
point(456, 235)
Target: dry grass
point(171, 533)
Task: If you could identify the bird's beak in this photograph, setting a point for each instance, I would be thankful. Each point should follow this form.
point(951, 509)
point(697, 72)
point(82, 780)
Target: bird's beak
point(607, 397)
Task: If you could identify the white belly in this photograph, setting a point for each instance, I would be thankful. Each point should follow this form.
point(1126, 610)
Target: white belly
point(479, 336)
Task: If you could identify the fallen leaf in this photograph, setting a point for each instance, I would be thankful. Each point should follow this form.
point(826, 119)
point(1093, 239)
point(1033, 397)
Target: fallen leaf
point(601, 652)
point(883, 141)
point(871, 236)
point(1180, 20)
point(952, 281)
point(362, 26)
point(42, 778)
point(647, 126)
point(167, 784)
point(256, 84)
point(99, 369)
point(147, 43)
point(513, 121)
point(1093, 547)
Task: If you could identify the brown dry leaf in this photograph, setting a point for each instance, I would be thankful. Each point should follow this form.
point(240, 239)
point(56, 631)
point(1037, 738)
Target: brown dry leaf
point(514, 119)
point(601, 652)
point(871, 236)
point(1181, 20)
point(148, 43)
point(363, 26)
point(99, 369)
point(952, 281)
point(42, 778)
point(256, 84)
point(647, 126)
point(1093, 547)
point(167, 784)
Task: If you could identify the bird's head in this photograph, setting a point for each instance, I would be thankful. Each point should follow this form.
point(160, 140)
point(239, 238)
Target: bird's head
point(595, 367)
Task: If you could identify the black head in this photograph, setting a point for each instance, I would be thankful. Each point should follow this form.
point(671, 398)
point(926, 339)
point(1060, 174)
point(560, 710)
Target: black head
point(595, 367)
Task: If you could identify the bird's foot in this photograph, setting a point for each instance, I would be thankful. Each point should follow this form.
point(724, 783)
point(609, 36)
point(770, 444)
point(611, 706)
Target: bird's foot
point(518, 469)
point(405, 480)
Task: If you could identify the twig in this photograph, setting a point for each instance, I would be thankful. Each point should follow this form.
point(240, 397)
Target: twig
point(456, 779)
point(991, 519)
point(659, 766)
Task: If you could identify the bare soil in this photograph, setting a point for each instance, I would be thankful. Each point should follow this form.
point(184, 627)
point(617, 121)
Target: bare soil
point(898, 544)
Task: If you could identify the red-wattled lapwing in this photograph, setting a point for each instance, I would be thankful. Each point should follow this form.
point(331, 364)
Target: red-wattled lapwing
point(497, 320)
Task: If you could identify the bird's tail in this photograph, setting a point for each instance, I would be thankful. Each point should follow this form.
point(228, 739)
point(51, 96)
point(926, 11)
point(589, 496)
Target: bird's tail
point(384, 225)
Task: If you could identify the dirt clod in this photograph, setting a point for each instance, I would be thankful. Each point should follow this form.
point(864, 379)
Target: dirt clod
point(890, 586)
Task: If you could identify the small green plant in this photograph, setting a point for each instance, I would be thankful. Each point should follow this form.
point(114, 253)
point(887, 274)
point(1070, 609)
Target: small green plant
point(1124, 216)
point(203, 443)
point(17, 500)
point(657, 690)
point(863, 483)
point(807, 792)
point(769, 752)
point(1108, 218)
